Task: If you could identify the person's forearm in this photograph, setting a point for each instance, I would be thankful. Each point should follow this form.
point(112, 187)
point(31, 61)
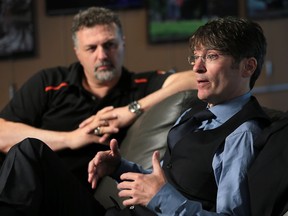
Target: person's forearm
point(12, 132)
point(174, 83)
point(169, 201)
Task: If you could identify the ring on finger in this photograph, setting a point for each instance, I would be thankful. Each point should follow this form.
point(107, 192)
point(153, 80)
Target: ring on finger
point(97, 131)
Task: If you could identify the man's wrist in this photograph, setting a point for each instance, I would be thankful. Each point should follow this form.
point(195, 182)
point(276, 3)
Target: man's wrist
point(135, 108)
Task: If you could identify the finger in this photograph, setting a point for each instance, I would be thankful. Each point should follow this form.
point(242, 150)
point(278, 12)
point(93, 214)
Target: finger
point(126, 194)
point(104, 122)
point(91, 166)
point(107, 130)
point(105, 109)
point(129, 176)
point(108, 116)
point(156, 162)
point(94, 182)
point(86, 121)
point(91, 171)
point(129, 202)
point(103, 139)
point(91, 118)
point(125, 185)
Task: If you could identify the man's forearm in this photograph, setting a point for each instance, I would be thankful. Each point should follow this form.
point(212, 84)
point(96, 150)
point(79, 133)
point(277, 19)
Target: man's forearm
point(174, 83)
point(13, 132)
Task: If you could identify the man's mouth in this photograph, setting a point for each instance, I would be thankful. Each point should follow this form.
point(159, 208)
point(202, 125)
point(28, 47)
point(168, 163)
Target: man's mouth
point(103, 66)
point(202, 82)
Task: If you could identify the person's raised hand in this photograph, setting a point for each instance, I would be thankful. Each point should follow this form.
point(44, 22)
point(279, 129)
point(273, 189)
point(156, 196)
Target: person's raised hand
point(104, 163)
point(139, 189)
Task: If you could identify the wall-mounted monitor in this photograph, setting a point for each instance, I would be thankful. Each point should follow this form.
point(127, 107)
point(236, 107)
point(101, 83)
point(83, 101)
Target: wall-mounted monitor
point(259, 9)
point(66, 7)
point(17, 29)
point(176, 20)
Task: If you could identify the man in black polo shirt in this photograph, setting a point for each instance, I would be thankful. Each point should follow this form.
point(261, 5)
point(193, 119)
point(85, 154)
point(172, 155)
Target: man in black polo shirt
point(72, 108)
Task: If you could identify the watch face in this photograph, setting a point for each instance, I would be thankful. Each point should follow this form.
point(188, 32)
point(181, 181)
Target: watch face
point(135, 107)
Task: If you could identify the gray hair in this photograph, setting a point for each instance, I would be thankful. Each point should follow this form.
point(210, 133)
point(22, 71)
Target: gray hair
point(94, 16)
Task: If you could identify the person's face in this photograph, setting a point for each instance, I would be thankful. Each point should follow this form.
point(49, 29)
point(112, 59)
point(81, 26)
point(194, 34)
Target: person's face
point(219, 78)
point(100, 50)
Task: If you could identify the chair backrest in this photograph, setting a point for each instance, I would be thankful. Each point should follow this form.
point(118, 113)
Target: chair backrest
point(149, 132)
point(268, 176)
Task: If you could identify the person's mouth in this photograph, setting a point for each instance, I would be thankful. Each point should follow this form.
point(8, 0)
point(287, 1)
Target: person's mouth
point(202, 82)
point(103, 66)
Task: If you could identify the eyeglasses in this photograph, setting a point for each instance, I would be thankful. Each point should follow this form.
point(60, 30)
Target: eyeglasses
point(206, 58)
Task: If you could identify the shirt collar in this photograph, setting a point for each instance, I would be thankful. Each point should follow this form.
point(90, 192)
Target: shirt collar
point(226, 110)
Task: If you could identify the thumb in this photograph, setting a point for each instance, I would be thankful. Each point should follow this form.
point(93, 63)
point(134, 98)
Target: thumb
point(114, 147)
point(156, 162)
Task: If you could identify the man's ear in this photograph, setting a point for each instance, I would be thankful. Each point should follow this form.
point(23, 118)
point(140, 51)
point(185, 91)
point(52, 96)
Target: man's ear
point(249, 67)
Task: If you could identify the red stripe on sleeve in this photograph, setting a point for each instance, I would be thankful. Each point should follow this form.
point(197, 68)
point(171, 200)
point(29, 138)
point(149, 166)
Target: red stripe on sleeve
point(143, 80)
point(48, 88)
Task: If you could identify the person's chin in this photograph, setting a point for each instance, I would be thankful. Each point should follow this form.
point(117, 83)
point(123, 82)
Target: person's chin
point(202, 95)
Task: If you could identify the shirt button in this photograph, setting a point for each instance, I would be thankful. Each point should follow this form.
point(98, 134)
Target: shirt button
point(158, 210)
point(169, 166)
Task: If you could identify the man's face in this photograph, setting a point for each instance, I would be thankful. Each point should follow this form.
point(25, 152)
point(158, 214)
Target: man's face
point(218, 77)
point(100, 50)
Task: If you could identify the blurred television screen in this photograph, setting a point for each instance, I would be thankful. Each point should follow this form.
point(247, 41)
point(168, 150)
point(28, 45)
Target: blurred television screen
point(176, 20)
point(264, 9)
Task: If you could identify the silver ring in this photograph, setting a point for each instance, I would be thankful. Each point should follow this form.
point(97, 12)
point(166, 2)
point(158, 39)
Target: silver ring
point(97, 131)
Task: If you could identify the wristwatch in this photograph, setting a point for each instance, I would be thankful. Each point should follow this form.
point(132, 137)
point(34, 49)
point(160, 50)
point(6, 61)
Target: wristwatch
point(135, 107)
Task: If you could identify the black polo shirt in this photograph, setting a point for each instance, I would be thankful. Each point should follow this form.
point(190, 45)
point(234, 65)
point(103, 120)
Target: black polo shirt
point(54, 99)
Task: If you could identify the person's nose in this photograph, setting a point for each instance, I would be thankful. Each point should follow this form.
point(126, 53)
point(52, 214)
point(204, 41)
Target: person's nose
point(101, 53)
point(199, 66)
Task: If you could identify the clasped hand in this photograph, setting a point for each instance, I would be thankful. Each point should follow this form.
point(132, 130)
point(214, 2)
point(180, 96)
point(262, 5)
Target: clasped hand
point(109, 120)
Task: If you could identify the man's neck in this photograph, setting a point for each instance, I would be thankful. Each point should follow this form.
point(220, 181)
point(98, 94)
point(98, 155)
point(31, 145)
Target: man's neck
point(99, 90)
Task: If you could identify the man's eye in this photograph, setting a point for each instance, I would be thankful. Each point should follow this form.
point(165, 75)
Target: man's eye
point(109, 45)
point(212, 57)
point(91, 49)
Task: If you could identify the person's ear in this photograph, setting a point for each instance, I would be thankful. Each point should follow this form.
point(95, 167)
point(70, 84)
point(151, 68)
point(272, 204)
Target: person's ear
point(250, 66)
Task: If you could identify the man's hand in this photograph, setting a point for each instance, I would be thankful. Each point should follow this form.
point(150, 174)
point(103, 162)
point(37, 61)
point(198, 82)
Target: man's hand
point(100, 119)
point(109, 116)
point(104, 163)
point(140, 188)
point(82, 137)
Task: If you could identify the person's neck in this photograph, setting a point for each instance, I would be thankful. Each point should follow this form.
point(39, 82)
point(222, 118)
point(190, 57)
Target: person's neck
point(98, 89)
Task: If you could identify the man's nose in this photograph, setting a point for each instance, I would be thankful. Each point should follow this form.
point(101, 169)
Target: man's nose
point(101, 53)
point(199, 66)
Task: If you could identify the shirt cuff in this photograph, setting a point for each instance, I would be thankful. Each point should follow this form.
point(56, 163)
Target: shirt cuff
point(127, 166)
point(166, 201)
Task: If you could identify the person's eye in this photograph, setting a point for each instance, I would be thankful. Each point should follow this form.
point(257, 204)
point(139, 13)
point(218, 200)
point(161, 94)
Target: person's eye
point(91, 48)
point(109, 45)
point(212, 57)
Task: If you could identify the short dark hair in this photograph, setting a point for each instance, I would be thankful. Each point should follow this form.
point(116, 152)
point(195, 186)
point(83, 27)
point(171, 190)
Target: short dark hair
point(238, 37)
point(94, 16)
